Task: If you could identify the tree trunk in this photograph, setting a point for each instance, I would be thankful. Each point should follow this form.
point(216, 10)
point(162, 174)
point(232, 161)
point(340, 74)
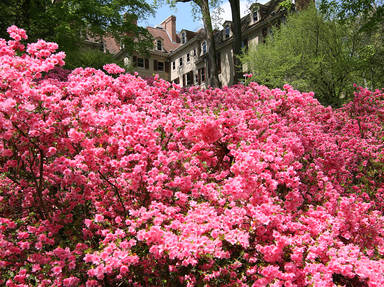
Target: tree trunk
point(237, 40)
point(213, 78)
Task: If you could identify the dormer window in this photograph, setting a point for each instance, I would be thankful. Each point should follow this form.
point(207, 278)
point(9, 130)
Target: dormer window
point(159, 45)
point(227, 31)
point(204, 47)
point(255, 15)
point(183, 38)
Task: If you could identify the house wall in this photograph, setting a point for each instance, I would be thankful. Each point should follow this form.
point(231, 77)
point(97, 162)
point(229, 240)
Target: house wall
point(255, 33)
point(227, 69)
point(187, 66)
point(150, 71)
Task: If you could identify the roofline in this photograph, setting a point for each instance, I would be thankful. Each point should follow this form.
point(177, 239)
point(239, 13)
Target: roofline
point(190, 42)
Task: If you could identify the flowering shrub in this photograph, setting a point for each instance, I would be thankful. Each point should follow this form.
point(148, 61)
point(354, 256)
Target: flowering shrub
point(110, 181)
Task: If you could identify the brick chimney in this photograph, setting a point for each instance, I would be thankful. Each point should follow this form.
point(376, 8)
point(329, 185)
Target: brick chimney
point(132, 18)
point(169, 25)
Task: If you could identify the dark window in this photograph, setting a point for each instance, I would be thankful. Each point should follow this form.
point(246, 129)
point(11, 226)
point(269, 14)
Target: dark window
point(184, 38)
point(204, 47)
point(194, 52)
point(155, 65)
point(188, 57)
point(227, 31)
point(134, 61)
point(140, 62)
point(159, 45)
point(160, 66)
point(173, 65)
point(189, 77)
point(202, 74)
point(255, 16)
point(146, 64)
point(167, 67)
point(244, 44)
point(181, 61)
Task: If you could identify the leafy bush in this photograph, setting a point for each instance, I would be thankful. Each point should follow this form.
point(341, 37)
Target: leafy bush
point(109, 181)
point(313, 53)
point(87, 57)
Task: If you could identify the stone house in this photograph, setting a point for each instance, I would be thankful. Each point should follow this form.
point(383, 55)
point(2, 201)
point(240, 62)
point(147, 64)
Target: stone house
point(182, 57)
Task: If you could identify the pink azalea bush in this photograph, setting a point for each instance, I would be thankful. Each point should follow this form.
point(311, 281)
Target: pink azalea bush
point(111, 181)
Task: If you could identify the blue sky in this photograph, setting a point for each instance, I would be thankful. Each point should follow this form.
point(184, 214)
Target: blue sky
point(182, 11)
point(184, 17)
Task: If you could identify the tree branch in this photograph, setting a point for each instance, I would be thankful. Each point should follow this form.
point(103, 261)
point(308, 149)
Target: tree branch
point(116, 192)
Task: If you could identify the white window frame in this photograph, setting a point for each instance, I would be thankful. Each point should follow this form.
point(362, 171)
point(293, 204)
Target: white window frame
point(255, 12)
point(204, 47)
point(159, 43)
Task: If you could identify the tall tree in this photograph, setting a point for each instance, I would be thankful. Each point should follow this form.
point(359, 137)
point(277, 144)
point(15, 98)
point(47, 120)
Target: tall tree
point(315, 54)
point(237, 39)
point(204, 5)
point(205, 10)
point(68, 22)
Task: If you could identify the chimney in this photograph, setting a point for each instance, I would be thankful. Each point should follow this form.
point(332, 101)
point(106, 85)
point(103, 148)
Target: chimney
point(132, 18)
point(169, 25)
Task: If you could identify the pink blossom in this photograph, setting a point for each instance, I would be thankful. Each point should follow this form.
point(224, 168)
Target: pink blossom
point(113, 69)
point(119, 178)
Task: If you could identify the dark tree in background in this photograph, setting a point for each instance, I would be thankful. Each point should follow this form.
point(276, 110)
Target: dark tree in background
point(69, 22)
point(237, 39)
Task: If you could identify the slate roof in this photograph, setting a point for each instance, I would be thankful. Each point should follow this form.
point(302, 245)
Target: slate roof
point(168, 45)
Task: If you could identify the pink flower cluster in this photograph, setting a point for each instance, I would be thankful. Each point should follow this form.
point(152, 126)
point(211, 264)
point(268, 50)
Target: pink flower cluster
point(120, 182)
point(113, 69)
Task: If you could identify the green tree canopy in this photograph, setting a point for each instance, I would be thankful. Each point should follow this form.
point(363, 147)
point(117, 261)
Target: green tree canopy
point(371, 11)
point(315, 54)
point(68, 22)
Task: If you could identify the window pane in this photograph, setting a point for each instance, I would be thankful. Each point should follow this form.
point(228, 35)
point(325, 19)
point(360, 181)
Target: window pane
point(160, 66)
point(140, 62)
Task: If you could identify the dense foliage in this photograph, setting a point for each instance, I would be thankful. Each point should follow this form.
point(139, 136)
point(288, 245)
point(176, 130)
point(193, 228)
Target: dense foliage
point(109, 180)
point(87, 57)
point(70, 22)
point(371, 11)
point(315, 54)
